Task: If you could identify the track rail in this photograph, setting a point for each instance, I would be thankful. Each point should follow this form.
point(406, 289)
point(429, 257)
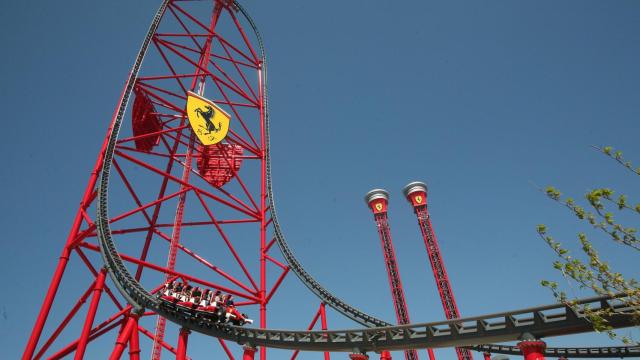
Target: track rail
point(572, 353)
point(542, 321)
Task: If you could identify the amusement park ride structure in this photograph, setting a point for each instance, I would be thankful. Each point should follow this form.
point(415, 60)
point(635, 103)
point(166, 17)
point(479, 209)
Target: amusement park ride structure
point(149, 216)
point(378, 200)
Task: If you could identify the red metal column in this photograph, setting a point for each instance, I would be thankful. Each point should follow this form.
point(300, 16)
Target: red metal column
point(385, 355)
point(532, 349)
point(323, 324)
point(91, 314)
point(487, 356)
point(249, 352)
point(134, 343)
point(262, 293)
point(377, 200)
point(416, 193)
point(358, 357)
point(87, 199)
point(183, 338)
point(123, 338)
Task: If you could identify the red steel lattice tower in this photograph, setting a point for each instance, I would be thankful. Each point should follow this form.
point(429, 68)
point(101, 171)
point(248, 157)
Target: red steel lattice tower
point(377, 200)
point(179, 209)
point(416, 193)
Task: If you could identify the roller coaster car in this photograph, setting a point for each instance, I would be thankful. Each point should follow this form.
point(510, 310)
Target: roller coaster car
point(211, 312)
point(236, 317)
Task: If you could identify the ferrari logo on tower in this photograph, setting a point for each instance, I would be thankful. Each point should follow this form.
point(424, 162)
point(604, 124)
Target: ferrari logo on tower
point(419, 199)
point(378, 206)
point(208, 120)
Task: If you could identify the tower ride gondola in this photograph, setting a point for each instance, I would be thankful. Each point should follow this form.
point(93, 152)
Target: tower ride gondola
point(162, 142)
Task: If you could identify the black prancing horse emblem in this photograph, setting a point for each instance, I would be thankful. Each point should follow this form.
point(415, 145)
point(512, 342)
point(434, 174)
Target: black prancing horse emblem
point(207, 115)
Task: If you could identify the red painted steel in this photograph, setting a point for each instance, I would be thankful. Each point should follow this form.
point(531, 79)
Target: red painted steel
point(145, 122)
point(385, 355)
point(532, 350)
point(194, 216)
point(487, 356)
point(322, 316)
point(249, 353)
point(219, 163)
point(379, 207)
point(183, 339)
point(358, 357)
point(323, 325)
point(88, 324)
point(87, 198)
point(418, 199)
point(123, 338)
point(134, 343)
point(204, 55)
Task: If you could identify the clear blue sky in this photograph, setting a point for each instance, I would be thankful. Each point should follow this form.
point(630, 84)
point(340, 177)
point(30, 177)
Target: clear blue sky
point(480, 99)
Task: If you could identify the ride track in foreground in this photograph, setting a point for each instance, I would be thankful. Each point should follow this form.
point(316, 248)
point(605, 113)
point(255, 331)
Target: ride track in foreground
point(378, 335)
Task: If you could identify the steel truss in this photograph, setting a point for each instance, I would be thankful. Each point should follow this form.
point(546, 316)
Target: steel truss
point(208, 233)
point(194, 54)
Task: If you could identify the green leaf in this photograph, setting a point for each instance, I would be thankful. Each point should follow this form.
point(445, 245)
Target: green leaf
point(542, 228)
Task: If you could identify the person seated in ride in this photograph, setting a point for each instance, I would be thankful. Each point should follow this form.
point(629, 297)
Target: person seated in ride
point(177, 289)
point(185, 296)
point(230, 309)
point(196, 296)
point(204, 300)
point(168, 292)
point(215, 304)
point(235, 316)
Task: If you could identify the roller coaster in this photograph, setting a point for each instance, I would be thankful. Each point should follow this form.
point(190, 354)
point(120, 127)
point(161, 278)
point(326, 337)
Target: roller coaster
point(376, 335)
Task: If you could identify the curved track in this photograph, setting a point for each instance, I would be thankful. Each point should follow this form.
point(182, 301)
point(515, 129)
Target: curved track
point(542, 321)
point(573, 353)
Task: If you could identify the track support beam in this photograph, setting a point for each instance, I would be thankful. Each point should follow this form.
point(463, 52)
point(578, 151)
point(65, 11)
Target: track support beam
point(123, 338)
point(91, 315)
point(249, 352)
point(183, 338)
point(532, 349)
point(358, 356)
point(134, 343)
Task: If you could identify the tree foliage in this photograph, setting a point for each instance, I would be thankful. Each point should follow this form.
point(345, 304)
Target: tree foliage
point(588, 270)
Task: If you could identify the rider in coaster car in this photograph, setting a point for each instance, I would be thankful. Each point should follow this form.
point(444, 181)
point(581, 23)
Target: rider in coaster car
point(233, 315)
point(196, 296)
point(204, 300)
point(167, 292)
point(185, 296)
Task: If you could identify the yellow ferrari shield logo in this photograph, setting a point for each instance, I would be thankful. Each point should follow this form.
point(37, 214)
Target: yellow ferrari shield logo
point(419, 199)
point(378, 206)
point(208, 120)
